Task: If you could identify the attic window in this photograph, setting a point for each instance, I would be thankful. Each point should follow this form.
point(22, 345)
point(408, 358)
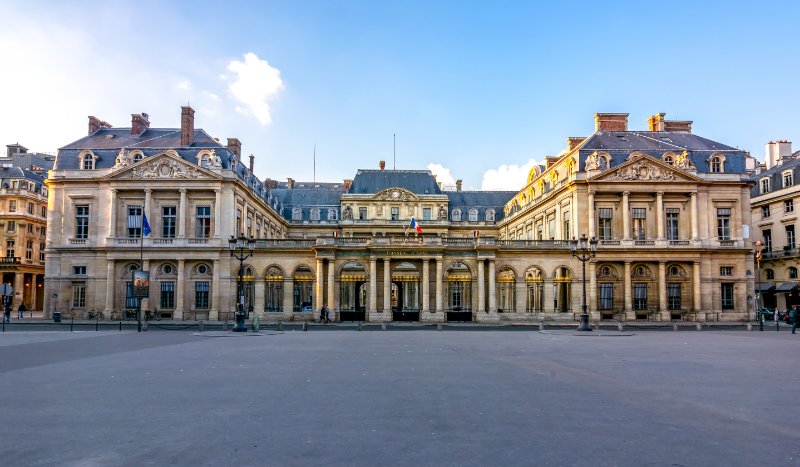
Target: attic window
point(622, 138)
point(665, 139)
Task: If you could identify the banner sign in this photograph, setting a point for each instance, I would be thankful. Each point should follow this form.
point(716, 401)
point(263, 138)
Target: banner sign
point(141, 284)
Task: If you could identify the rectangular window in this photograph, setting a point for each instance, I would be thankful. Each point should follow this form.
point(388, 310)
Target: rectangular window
point(395, 214)
point(79, 270)
point(565, 233)
point(764, 211)
point(30, 208)
point(250, 225)
point(606, 296)
point(12, 205)
point(167, 295)
point(790, 242)
point(726, 270)
point(604, 223)
point(29, 250)
point(201, 295)
point(41, 252)
point(764, 185)
point(767, 235)
point(43, 231)
point(78, 294)
point(726, 293)
point(640, 296)
point(672, 223)
point(44, 211)
point(202, 226)
point(130, 300)
point(426, 214)
point(788, 206)
point(724, 223)
point(362, 214)
point(238, 222)
point(788, 179)
point(551, 228)
point(82, 221)
point(539, 228)
point(30, 228)
point(9, 248)
point(134, 221)
point(11, 226)
point(674, 296)
point(168, 221)
point(639, 223)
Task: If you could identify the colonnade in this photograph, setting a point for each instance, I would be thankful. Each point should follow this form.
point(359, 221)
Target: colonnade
point(626, 215)
point(181, 211)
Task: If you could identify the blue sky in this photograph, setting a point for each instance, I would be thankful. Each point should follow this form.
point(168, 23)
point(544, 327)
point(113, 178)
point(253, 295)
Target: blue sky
point(481, 89)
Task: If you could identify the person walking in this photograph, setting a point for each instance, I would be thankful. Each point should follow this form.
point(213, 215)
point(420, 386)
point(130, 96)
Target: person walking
point(793, 316)
point(322, 315)
point(21, 311)
point(7, 313)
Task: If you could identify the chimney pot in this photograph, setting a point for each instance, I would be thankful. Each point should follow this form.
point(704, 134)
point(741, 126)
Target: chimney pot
point(95, 124)
point(611, 122)
point(574, 141)
point(252, 159)
point(656, 122)
point(235, 146)
point(382, 164)
point(187, 126)
point(139, 123)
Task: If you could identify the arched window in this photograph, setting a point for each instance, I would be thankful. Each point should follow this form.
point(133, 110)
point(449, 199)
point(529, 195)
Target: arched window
point(332, 214)
point(274, 290)
point(137, 157)
point(716, 164)
point(562, 291)
point(669, 160)
point(770, 274)
point(314, 214)
point(490, 215)
point(297, 214)
point(473, 215)
point(88, 162)
point(534, 284)
point(302, 286)
point(456, 216)
point(792, 272)
point(602, 162)
point(506, 285)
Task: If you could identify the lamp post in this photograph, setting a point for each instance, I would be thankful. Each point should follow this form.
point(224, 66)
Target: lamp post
point(758, 246)
point(241, 249)
point(584, 249)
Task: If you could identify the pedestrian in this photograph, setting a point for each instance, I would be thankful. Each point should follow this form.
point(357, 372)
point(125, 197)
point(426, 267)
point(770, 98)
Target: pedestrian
point(322, 314)
point(7, 313)
point(776, 315)
point(327, 313)
point(21, 311)
point(793, 316)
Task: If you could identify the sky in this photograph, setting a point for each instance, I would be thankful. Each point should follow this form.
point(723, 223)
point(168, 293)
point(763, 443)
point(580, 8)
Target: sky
point(476, 91)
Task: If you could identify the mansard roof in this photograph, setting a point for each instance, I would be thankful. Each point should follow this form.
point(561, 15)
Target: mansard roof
point(775, 175)
point(480, 200)
point(18, 173)
point(419, 182)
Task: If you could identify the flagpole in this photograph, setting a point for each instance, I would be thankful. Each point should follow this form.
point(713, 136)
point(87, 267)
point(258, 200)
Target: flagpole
point(141, 268)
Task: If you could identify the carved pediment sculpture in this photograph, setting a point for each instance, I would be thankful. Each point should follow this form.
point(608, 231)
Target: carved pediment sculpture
point(164, 168)
point(123, 159)
point(642, 171)
point(592, 162)
point(682, 161)
point(395, 194)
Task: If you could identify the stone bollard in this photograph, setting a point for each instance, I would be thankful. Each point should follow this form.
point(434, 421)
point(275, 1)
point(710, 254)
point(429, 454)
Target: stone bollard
point(620, 327)
point(144, 326)
point(305, 325)
point(201, 326)
point(596, 326)
point(699, 326)
point(674, 326)
point(358, 327)
point(280, 326)
point(749, 326)
point(383, 326)
point(541, 326)
point(224, 325)
point(438, 326)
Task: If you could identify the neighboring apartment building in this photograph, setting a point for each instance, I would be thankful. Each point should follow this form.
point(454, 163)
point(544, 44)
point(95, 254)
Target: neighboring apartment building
point(775, 201)
point(23, 223)
point(670, 209)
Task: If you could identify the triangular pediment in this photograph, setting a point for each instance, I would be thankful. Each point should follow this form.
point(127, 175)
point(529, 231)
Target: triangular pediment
point(395, 194)
point(644, 168)
point(165, 166)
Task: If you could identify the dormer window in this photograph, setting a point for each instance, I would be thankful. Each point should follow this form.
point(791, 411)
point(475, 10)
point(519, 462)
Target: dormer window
point(602, 163)
point(297, 214)
point(716, 164)
point(764, 185)
point(88, 162)
point(788, 179)
point(137, 157)
point(314, 214)
point(490, 215)
point(669, 160)
point(456, 215)
point(473, 215)
point(332, 215)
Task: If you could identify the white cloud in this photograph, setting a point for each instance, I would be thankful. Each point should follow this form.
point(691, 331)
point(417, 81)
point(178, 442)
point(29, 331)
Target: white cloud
point(442, 174)
point(255, 84)
point(185, 85)
point(507, 177)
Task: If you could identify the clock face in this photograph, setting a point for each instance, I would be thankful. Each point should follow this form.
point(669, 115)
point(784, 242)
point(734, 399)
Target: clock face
point(395, 194)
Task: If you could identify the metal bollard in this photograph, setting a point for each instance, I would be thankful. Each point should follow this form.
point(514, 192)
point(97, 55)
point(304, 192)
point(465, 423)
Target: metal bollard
point(699, 326)
point(305, 325)
point(674, 326)
point(280, 326)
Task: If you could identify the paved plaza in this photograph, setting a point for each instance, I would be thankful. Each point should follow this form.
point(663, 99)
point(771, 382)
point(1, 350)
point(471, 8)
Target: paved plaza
point(399, 398)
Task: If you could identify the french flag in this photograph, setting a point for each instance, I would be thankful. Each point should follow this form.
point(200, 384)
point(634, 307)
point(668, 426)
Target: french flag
point(415, 226)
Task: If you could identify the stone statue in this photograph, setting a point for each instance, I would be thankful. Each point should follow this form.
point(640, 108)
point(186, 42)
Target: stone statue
point(592, 162)
point(442, 214)
point(123, 159)
point(347, 213)
point(682, 161)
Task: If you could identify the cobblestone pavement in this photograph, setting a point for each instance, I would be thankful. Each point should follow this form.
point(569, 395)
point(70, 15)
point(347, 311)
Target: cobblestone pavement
point(399, 398)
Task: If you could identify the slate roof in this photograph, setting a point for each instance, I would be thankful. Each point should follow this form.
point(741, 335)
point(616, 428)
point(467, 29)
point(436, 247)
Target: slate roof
point(619, 144)
point(17, 173)
point(482, 200)
point(310, 195)
point(775, 175)
point(420, 182)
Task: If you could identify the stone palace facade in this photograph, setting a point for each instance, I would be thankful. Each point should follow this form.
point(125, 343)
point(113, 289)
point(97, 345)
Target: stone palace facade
point(670, 210)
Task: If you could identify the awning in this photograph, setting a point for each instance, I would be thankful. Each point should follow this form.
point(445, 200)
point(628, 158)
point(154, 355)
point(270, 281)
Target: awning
point(765, 286)
point(786, 287)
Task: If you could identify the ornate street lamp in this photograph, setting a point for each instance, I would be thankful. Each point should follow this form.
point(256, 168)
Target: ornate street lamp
point(241, 249)
point(759, 246)
point(584, 249)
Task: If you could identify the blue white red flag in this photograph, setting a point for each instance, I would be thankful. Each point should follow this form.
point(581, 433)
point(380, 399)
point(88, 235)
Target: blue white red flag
point(415, 226)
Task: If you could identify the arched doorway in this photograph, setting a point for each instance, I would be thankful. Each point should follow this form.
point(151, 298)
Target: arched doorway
point(506, 286)
point(405, 292)
point(562, 291)
point(302, 279)
point(459, 292)
point(273, 290)
point(534, 284)
point(353, 292)
point(247, 293)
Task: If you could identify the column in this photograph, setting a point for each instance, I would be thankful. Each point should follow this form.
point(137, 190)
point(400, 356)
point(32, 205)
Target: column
point(182, 214)
point(373, 285)
point(217, 212)
point(559, 223)
point(426, 287)
point(697, 299)
point(662, 290)
point(439, 291)
point(520, 295)
point(288, 297)
point(694, 216)
point(492, 288)
point(259, 290)
point(330, 300)
point(387, 285)
point(216, 291)
point(180, 290)
point(547, 297)
point(660, 215)
point(109, 287)
point(626, 216)
point(591, 294)
point(627, 291)
point(592, 216)
point(112, 219)
point(319, 282)
point(481, 286)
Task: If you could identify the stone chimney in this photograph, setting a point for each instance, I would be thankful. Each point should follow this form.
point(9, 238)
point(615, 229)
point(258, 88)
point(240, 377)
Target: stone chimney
point(777, 151)
point(684, 126)
point(610, 122)
point(458, 185)
point(17, 148)
point(574, 141)
point(235, 146)
point(139, 123)
point(187, 126)
point(656, 122)
point(347, 183)
point(252, 161)
point(382, 164)
point(290, 183)
point(95, 124)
